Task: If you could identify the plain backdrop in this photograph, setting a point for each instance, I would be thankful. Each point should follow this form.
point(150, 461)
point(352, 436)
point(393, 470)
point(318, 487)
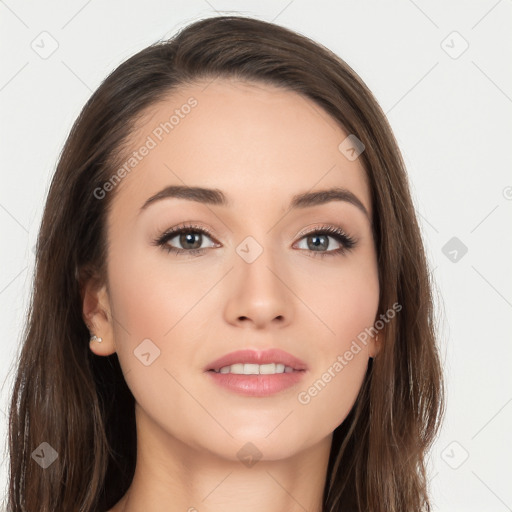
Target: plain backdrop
point(441, 72)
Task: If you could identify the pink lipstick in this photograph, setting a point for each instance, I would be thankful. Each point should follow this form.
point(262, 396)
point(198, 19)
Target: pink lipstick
point(257, 373)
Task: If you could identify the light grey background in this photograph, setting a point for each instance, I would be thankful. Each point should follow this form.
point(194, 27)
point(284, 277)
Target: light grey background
point(450, 109)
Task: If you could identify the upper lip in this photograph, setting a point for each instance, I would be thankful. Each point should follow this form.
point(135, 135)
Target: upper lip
point(273, 355)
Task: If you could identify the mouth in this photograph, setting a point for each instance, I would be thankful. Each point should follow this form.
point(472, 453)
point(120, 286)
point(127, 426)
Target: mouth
point(254, 362)
point(257, 374)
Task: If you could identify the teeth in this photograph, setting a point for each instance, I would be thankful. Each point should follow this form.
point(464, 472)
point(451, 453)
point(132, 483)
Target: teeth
point(255, 369)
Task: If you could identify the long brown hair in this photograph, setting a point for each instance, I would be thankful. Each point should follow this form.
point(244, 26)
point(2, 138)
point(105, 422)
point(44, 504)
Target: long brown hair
point(80, 404)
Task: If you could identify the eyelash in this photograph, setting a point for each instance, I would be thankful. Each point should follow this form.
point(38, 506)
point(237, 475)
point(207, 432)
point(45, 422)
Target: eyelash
point(347, 242)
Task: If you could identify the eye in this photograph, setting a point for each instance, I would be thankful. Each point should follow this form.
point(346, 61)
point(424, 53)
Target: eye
point(320, 239)
point(189, 236)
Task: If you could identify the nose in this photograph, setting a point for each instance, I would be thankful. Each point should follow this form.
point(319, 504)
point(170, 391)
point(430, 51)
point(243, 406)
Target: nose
point(260, 294)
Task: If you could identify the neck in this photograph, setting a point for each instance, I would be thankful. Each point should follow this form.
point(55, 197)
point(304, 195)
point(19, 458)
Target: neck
point(173, 476)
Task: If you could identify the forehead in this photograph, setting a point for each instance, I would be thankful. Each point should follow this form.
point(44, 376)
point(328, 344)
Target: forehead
point(258, 143)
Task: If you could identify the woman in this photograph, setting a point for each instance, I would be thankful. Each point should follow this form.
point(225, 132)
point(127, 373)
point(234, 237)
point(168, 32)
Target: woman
point(231, 306)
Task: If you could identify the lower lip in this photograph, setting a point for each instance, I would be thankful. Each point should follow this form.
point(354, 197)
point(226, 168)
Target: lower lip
point(257, 385)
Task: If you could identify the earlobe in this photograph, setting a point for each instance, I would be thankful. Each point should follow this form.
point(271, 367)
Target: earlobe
point(375, 345)
point(101, 347)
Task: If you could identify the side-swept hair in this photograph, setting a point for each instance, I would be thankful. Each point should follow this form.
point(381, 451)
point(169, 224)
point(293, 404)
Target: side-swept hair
point(80, 404)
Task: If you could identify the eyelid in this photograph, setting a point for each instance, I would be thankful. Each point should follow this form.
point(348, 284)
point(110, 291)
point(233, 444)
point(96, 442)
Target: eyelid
point(320, 227)
point(186, 226)
point(347, 241)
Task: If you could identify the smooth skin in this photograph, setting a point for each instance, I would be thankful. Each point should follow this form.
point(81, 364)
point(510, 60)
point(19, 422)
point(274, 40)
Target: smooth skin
point(260, 145)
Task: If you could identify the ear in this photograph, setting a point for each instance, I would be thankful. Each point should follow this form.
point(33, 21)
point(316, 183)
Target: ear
point(375, 343)
point(97, 315)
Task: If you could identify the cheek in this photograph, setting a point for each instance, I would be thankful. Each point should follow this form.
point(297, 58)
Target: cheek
point(354, 310)
point(344, 299)
point(166, 303)
point(152, 293)
point(155, 322)
point(346, 308)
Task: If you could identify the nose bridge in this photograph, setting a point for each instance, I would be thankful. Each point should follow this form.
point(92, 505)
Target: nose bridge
point(257, 263)
point(259, 292)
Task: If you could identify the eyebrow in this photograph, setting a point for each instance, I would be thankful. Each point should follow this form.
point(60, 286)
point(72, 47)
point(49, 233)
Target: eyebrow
point(217, 198)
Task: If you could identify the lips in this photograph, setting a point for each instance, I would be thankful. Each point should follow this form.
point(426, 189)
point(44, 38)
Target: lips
point(257, 357)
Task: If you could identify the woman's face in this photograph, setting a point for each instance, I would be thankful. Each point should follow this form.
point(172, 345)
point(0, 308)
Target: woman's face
point(263, 279)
